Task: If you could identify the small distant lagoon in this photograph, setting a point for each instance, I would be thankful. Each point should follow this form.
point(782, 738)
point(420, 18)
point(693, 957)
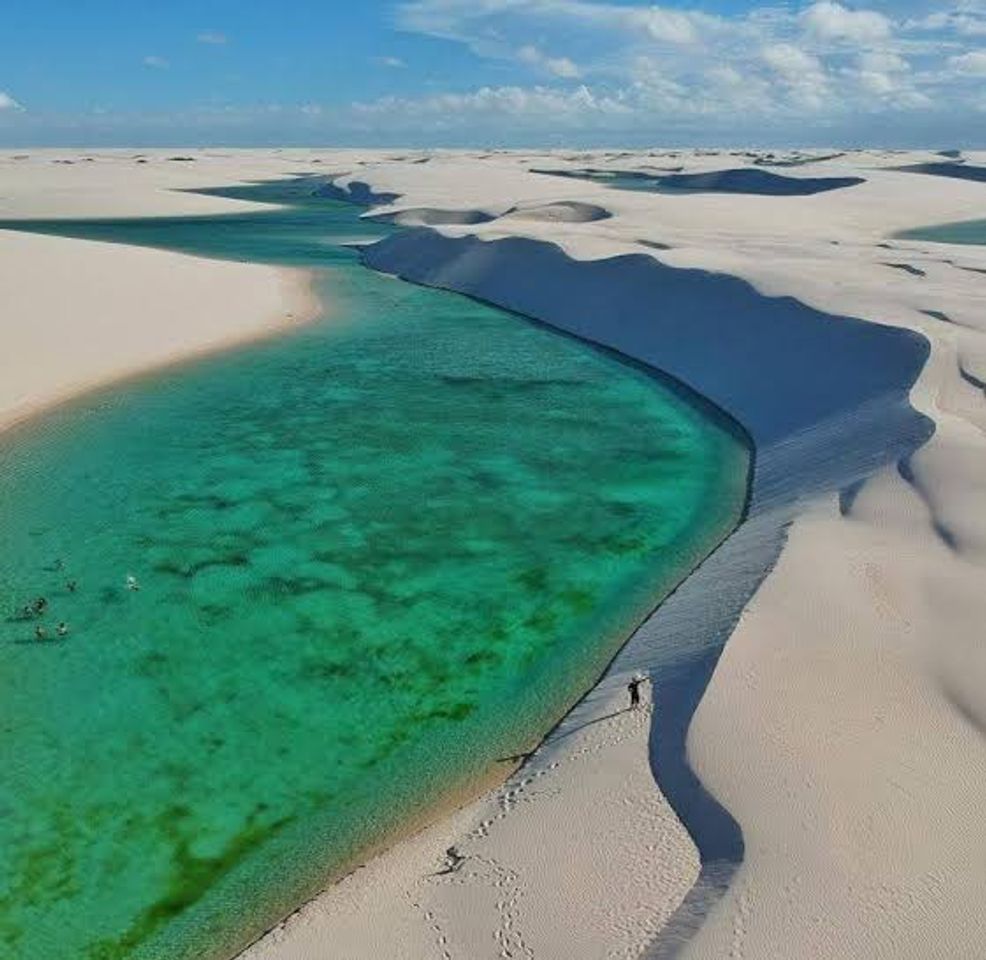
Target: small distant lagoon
point(966, 232)
point(375, 557)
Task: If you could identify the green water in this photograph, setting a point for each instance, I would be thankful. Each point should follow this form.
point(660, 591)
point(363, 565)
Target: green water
point(374, 556)
point(309, 231)
point(969, 232)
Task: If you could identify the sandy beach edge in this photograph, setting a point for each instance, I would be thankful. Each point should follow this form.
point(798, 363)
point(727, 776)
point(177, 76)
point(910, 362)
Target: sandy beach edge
point(283, 299)
point(807, 757)
point(300, 303)
point(465, 798)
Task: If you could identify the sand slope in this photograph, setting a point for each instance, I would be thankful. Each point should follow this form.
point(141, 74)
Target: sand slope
point(842, 728)
point(78, 314)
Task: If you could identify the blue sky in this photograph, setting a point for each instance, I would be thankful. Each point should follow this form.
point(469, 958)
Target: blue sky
point(493, 72)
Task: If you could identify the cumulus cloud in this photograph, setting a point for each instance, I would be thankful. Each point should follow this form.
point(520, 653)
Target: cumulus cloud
point(967, 22)
point(463, 19)
point(559, 66)
point(801, 72)
point(883, 61)
point(7, 102)
point(826, 62)
point(517, 103)
point(669, 69)
point(882, 72)
point(213, 38)
point(832, 21)
point(790, 61)
point(155, 62)
point(971, 64)
point(672, 26)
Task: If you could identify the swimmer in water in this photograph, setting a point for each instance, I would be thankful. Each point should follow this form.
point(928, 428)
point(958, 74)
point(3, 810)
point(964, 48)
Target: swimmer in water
point(132, 583)
point(39, 633)
point(63, 629)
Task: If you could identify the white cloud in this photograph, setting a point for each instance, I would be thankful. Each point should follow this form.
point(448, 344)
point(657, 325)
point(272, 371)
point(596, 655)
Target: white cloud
point(966, 22)
point(883, 61)
point(876, 82)
point(824, 62)
point(212, 37)
point(158, 63)
point(832, 21)
point(7, 102)
point(516, 103)
point(790, 61)
point(459, 19)
point(802, 73)
point(669, 25)
point(626, 67)
point(972, 64)
point(559, 66)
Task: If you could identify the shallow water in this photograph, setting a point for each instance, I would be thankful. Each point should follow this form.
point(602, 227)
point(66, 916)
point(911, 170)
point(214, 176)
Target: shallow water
point(374, 557)
point(969, 232)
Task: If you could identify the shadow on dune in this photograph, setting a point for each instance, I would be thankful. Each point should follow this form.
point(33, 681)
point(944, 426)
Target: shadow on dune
point(355, 192)
point(787, 373)
point(957, 171)
point(757, 182)
point(771, 160)
point(825, 400)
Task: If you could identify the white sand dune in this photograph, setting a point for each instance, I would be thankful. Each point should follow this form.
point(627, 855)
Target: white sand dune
point(857, 661)
point(429, 217)
point(79, 314)
point(841, 731)
point(559, 212)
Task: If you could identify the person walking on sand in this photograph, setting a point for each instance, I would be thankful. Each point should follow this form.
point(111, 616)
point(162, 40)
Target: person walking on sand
point(633, 688)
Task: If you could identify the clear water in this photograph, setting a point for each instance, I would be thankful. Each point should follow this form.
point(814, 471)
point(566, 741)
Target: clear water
point(304, 230)
point(375, 558)
point(619, 179)
point(969, 232)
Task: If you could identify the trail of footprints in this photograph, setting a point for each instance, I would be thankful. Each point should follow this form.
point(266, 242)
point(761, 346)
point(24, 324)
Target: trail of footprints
point(508, 938)
point(741, 921)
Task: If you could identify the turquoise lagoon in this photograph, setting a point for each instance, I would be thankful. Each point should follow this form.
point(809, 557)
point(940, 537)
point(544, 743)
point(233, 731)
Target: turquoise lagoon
point(376, 556)
point(968, 232)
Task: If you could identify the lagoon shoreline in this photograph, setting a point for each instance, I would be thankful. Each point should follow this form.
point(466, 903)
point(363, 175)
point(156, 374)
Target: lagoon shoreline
point(856, 481)
point(216, 310)
point(740, 485)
